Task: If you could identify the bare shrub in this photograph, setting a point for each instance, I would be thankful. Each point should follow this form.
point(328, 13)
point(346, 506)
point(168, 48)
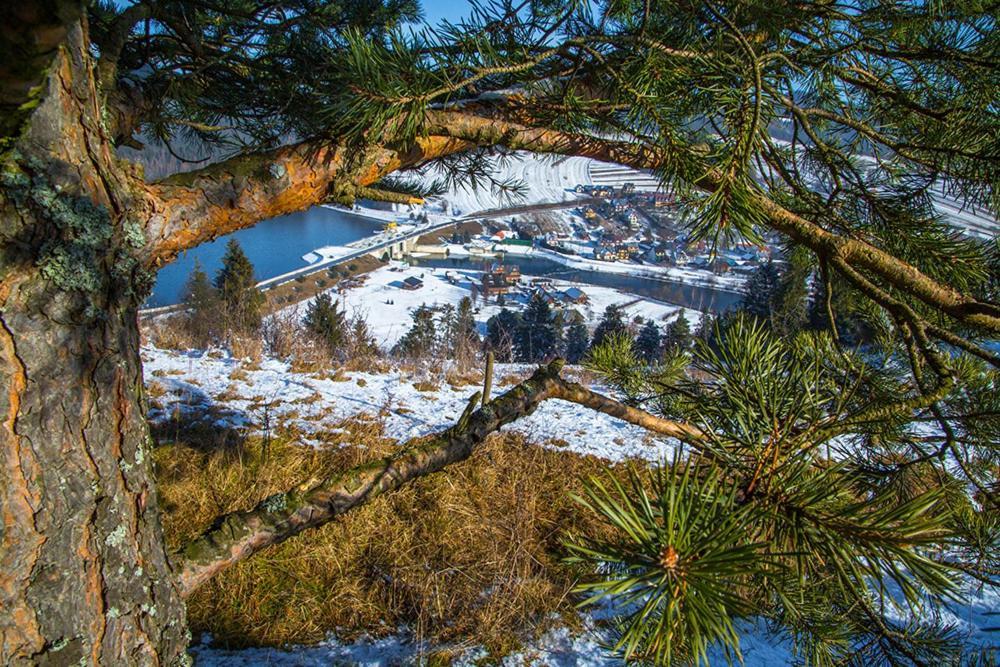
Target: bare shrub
point(168, 332)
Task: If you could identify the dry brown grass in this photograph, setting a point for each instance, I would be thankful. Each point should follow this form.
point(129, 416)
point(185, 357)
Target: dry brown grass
point(167, 333)
point(469, 556)
point(425, 386)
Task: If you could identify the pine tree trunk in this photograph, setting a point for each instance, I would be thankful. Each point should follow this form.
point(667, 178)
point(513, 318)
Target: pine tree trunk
point(84, 575)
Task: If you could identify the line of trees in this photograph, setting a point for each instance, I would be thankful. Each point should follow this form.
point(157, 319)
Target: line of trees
point(230, 305)
point(539, 333)
point(443, 333)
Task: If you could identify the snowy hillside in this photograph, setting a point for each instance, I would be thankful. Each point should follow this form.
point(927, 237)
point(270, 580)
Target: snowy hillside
point(238, 393)
point(549, 178)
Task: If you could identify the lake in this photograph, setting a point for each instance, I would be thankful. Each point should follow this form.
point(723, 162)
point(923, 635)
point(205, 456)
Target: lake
point(274, 246)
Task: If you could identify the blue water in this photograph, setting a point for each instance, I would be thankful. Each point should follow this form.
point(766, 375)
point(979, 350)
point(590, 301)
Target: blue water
point(274, 247)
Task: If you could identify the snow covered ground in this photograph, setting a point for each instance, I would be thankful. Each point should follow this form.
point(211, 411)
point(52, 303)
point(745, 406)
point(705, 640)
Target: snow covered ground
point(239, 395)
point(388, 308)
point(561, 647)
point(238, 392)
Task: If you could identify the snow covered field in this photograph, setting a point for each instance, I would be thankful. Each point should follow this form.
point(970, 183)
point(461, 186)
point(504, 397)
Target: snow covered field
point(388, 308)
point(237, 394)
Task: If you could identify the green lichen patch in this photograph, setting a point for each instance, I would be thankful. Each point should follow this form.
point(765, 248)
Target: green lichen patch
point(86, 251)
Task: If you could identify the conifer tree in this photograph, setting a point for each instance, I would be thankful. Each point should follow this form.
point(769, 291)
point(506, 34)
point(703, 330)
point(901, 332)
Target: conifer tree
point(501, 331)
point(447, 333)
point(849, 311)
point(237, 286)
point(782, 109)
point(761, 292)
point(418, 342)
point(466, 339)
point(535, 338)
point(612, 322)
point(202, 319)
point(791, 303)
point(648, 343)
point(559, 333)
point(678, 335)
point(577, 341)
point(362, 346)
point(325, 320)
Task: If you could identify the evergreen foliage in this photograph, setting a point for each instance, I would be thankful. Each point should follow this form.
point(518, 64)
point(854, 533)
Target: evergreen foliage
point(791, 303)
point(759, 523)
point(648, 343)
point(536, 338)
point(465, 338)
point(325, 320)
point(363, 346)
point(242, 301)
point(761, 292)
point(202, 319)
point(612, 322)
point(418, 342)
point(825, 475)
point(577, 341)
point(678, 336)
point(501, 331)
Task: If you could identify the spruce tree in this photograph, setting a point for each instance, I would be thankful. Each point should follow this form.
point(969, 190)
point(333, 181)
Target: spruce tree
point(791, 299)
point(577, 341)
point(237, 286)
point(362, 345)
point(328, 323)
point(648, 342)
point(536, 338)
point(678, 336)
point(612, 322)
point(761, 291)
point(501, 331)
point(418, 342)
point(447, 334)
point(465, 339)
point(202, 319)
point(559, 318)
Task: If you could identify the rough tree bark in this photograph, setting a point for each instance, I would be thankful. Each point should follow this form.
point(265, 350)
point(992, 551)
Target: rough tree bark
point(84, 576)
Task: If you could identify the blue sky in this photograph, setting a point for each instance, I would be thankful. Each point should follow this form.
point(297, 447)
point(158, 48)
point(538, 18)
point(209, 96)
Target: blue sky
point(435, 10)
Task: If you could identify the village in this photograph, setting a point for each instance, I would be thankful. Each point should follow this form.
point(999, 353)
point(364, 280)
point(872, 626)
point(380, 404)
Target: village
point(625, 225)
